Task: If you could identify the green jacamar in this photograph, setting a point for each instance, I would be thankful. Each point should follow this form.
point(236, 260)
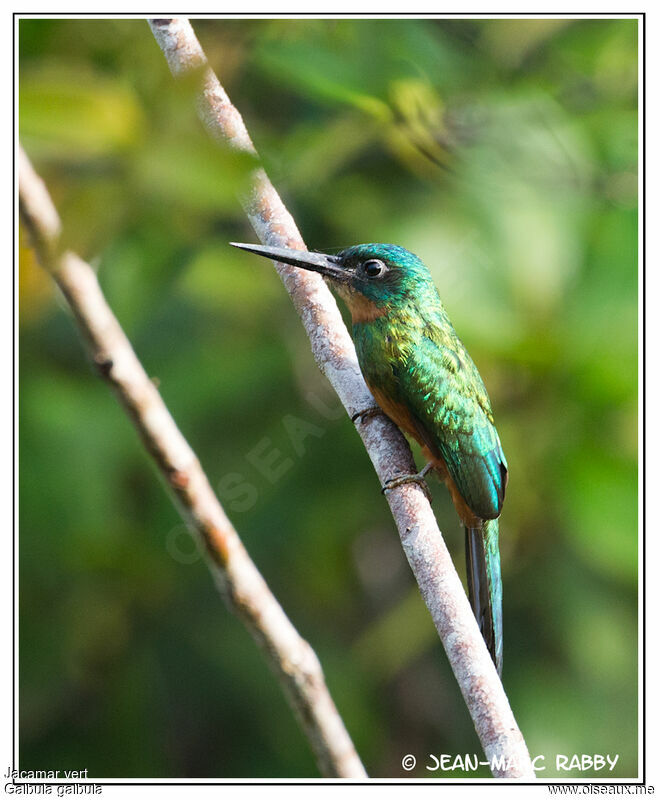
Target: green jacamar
point(423, 379)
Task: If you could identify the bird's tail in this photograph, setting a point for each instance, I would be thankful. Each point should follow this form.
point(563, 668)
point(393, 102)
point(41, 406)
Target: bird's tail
point(485, 584)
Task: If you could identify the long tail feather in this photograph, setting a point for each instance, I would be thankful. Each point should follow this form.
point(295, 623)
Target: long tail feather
point(482, 553)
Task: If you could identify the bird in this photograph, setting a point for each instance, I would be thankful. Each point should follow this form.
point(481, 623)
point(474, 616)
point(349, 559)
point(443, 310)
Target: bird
point(422, 377)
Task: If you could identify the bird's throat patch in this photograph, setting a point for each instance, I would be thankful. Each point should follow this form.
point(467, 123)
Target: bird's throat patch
point(362, 309)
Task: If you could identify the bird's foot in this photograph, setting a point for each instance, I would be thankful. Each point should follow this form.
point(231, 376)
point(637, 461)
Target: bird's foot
point(415, 478)
point(364, 415)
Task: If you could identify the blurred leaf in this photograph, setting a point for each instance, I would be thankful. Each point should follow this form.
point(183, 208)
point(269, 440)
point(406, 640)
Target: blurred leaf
point(69, 112)
point(604, 529)
point(202, 176)
point(219, 278)
point(512, 40)
point(35, 287)
point(313, 154)
point(400, 636)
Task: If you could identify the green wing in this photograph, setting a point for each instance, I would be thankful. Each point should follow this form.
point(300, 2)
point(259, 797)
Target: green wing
point(442, 388)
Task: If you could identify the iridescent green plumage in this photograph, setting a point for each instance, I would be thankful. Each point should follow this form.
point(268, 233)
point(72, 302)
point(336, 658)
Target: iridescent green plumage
point(412, 354)
point(424, 379)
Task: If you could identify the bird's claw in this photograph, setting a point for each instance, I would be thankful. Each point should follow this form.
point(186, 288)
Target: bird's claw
point(364, 415)
point(414, 478)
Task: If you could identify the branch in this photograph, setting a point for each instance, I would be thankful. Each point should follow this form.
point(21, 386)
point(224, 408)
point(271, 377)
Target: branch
point(335, 355)
point(291, 657)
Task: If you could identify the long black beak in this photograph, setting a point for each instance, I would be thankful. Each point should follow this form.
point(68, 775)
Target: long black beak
point(317, 262)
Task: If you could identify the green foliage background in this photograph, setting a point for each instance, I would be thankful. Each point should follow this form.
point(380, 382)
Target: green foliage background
point(504, 153)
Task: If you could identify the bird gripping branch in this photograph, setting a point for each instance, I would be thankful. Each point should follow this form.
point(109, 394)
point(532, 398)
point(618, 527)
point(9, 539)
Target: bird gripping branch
point(423, 379)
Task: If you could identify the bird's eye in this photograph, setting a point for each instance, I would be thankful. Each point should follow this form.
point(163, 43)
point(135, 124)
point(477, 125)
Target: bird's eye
point(373, 268)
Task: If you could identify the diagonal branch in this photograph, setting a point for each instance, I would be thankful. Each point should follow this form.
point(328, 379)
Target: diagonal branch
point(335, 355)
point(291, 657)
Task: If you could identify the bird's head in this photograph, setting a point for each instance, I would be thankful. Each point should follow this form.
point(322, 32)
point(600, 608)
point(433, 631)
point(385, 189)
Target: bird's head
point(372, 279)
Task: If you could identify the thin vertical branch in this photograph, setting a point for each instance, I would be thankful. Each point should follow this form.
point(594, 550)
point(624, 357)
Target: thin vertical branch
point(291, 657)
point(335, 355)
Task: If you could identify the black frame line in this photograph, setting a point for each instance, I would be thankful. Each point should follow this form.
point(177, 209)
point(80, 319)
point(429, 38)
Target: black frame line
point(411, 782)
